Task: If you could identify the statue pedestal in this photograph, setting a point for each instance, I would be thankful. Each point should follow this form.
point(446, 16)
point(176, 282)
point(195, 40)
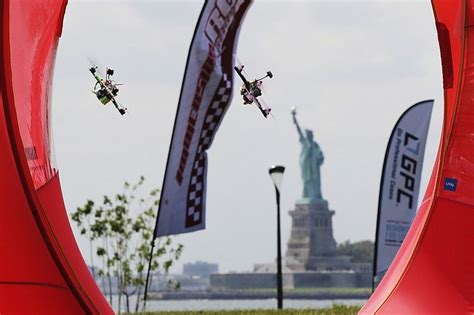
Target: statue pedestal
point(312, 245)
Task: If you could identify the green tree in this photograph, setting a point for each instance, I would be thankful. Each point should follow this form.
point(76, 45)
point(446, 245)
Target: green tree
point(362, 251)
point(82, 218)
point(123, 225)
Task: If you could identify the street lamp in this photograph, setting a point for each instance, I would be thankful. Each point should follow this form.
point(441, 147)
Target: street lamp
point(276, 173)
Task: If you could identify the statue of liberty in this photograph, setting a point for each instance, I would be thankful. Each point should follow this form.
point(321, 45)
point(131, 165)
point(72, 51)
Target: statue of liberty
point(311, 158)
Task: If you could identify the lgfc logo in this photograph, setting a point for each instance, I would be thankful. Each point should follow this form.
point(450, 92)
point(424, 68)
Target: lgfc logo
point(408, 167)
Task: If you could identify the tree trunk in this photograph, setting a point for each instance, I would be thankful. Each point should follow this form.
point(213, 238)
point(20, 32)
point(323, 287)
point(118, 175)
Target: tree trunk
point(102, 278)
point(127, 300)
point(91, 248)
point(138, 293)
point(119, 297)
point(120, 286)
point(109, 277)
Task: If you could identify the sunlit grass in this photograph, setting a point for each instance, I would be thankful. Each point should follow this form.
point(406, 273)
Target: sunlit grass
point(337, 309)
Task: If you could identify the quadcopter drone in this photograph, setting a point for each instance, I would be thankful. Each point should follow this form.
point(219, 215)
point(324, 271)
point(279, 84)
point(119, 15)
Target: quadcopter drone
point(250, 91)
point(106, 89)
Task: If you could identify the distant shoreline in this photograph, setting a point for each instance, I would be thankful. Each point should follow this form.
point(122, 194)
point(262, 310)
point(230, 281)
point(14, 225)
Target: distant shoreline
point(249, 295)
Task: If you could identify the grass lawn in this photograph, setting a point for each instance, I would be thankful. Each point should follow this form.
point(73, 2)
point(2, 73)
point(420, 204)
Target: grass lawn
point(334, 310)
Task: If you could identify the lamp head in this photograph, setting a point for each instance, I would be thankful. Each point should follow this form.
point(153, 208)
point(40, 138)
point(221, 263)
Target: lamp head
point(276, 173)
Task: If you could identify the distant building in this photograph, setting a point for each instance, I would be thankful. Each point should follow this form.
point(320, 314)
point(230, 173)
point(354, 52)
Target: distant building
point(248, 280)
point(311, 260)
point(200, 268)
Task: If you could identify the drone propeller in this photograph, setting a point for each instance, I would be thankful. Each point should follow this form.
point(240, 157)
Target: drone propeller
point(91, 62)
point(122, 106)
point(109, 72)
point(97, 66)
point(262, 88)
point(264, 104)
point(122, 109)
point(240, 65)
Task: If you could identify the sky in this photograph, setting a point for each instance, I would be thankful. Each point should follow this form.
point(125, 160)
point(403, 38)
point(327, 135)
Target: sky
point(350, 67)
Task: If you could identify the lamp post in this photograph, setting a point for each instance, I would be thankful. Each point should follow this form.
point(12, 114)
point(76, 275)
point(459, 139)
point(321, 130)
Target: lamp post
point(276, 173)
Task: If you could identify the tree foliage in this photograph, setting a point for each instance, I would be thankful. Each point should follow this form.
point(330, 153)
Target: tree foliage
point(120, 232)
point(362, 251)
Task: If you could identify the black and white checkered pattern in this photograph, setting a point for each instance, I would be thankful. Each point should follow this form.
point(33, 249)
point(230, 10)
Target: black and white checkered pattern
point(214, 115)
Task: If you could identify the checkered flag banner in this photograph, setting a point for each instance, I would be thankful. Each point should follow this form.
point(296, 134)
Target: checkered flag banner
point(206, 93)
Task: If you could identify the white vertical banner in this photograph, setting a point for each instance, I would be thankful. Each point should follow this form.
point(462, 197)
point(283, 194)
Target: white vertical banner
point(206, 93)
point(400, 184)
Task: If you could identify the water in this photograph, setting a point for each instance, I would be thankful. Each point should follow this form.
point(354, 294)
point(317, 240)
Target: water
point(195, 305)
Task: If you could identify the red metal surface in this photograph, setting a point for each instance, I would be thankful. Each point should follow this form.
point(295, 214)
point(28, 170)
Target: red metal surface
point(41, 268)
point(432, 273)
point(32, 42)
